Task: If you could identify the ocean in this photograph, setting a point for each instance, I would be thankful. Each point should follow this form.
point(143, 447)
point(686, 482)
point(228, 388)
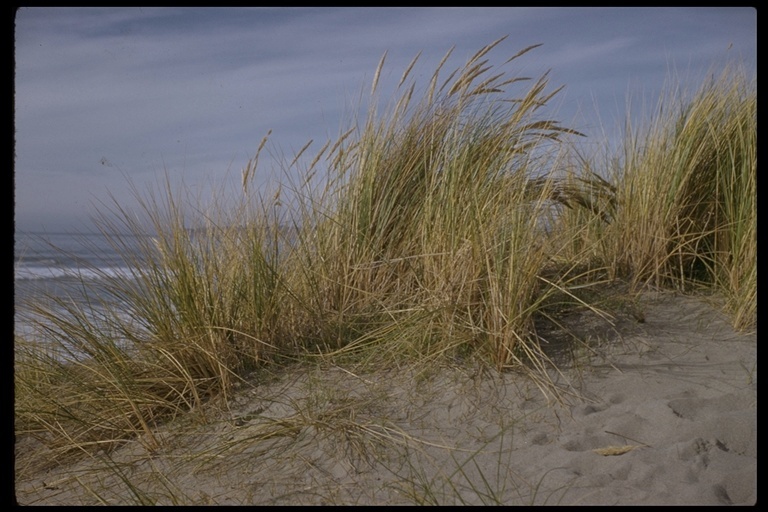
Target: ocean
point(76, 268)
point(59, 265)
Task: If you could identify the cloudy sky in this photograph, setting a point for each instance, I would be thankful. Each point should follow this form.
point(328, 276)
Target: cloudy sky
point(103, 95)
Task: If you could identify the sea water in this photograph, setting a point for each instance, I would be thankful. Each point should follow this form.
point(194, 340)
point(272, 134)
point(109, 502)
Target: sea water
point(77, 268)
point(74, 267)
point(79, 271)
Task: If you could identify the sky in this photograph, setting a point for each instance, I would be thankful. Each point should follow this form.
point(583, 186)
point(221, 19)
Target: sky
point(109, 98)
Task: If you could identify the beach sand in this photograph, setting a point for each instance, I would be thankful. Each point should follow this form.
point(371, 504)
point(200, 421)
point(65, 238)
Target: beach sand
point(667, 414)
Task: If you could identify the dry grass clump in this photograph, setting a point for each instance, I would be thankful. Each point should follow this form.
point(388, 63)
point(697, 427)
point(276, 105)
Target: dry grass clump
point(678, 206)
point(424, 240)
point(427, 234)
point(198, 310)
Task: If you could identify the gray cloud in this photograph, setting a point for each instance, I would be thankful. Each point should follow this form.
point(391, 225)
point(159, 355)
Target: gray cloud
point(191, 92)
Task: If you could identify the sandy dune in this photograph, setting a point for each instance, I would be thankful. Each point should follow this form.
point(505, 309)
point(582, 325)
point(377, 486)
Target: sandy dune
point(667, 415)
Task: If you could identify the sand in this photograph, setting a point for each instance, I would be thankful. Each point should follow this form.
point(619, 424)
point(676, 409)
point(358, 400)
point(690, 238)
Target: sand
point(666, 414)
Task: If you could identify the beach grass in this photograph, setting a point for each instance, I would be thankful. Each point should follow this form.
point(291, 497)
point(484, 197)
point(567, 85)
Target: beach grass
point(676, 207)
point(445, 227)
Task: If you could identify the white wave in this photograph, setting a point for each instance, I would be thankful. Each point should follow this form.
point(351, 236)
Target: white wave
point(33, 272)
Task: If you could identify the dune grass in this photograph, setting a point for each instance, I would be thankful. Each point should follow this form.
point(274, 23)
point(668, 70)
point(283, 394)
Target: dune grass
point(677, 208)
point(442, 228)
